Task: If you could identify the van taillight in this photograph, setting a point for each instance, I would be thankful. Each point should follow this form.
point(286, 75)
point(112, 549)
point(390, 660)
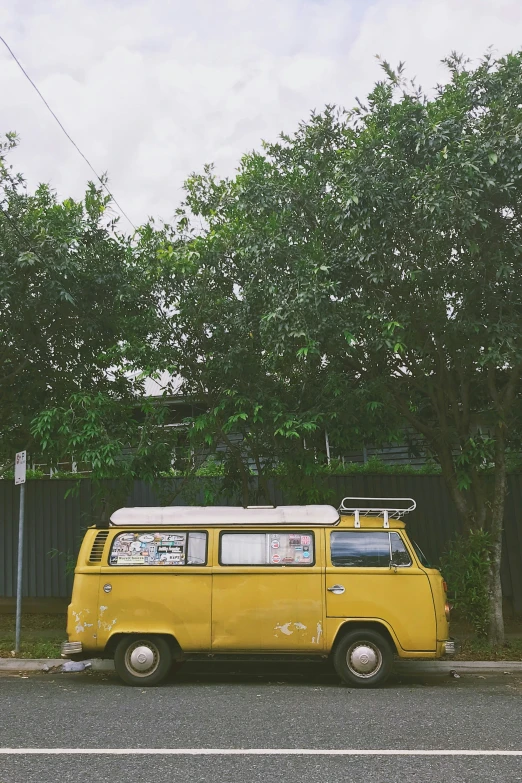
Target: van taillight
point(447, 609)
point(444, 585)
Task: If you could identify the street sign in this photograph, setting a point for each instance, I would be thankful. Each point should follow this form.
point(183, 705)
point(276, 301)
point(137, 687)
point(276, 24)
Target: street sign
point(20, 467)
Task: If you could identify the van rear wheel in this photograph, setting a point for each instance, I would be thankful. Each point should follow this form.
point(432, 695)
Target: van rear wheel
point(363, 659)
point(142, 660)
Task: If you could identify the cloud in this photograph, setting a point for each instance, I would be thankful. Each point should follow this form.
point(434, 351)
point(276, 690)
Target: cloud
point(152, 91)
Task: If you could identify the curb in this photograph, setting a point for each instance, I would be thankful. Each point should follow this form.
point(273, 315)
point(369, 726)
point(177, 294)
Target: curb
point(54, 665)
point(49, 665)
point(461, 667)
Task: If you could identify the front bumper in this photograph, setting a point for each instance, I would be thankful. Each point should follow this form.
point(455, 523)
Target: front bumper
point(71, 648)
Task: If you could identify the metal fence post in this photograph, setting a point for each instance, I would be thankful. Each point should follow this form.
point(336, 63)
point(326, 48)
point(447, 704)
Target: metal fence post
point(20, 569)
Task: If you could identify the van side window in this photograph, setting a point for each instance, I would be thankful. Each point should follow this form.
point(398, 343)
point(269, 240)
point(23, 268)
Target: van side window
point(270, 548)
point(400, 555)
point(368, 549)
point(159, 548)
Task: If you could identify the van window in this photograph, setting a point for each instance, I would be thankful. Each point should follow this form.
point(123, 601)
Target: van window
point(368, 549)
point(400, 555)
point(158, 548)
point(261, 549)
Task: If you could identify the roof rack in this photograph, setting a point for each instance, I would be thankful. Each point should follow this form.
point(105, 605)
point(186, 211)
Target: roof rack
point(389, 508)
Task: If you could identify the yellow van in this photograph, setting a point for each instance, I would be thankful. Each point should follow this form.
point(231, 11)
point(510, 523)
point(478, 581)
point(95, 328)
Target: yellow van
point(172, 584)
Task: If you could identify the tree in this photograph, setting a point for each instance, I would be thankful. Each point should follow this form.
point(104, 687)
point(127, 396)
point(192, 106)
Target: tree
point(384, 245)
point(255, 400)
point(74, 303)
point(437, 223)
point(117, 436)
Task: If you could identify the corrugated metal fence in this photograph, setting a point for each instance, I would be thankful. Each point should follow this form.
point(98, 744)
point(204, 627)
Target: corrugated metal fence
point(55, 523)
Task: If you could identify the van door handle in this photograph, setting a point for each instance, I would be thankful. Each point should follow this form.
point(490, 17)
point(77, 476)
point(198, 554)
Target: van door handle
point(337, 589)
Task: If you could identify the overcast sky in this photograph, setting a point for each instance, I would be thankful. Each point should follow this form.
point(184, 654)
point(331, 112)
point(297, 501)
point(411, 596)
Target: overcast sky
point(151, 91)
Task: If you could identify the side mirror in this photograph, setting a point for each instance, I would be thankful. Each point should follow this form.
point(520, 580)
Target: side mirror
point(393, 566)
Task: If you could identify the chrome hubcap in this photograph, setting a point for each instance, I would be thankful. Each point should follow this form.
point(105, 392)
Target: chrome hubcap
point(142, 658)
point(364, 659)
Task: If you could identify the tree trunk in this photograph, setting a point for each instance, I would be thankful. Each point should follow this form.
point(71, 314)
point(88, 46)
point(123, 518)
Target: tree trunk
point(459, 497)
point(245, 486)
point(263, 483)
point(243, 472)
point(496, 620)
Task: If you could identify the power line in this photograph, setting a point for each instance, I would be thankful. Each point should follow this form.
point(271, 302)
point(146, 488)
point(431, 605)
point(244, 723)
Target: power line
point(17, 61)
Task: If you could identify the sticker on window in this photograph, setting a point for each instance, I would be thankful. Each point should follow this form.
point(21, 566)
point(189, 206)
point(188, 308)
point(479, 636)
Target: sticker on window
point(158, 549)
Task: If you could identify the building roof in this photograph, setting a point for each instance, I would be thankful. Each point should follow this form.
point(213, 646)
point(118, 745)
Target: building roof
point(164, 383)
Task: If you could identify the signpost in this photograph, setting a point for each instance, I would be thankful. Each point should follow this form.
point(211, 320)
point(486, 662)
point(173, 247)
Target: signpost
point(20, 471)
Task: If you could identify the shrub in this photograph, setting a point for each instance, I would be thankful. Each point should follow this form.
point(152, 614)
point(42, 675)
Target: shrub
point(465, 567)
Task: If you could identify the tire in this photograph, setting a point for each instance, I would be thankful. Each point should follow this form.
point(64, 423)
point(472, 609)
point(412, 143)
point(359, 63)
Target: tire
point(363, 668)
point(142, 667)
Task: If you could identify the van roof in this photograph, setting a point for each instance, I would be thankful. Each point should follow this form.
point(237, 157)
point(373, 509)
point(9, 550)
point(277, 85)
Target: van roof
point(223, 516)
point(233, 516)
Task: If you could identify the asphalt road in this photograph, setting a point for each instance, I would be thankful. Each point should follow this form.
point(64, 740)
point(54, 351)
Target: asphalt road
point(241, 709)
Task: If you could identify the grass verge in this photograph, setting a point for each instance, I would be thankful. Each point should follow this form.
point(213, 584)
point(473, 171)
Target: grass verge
point(41, 635)
point(480, 650)
point(33, 622)
point(30, 649)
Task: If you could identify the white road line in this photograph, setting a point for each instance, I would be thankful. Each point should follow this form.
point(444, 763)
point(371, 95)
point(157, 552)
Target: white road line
point(246, 752)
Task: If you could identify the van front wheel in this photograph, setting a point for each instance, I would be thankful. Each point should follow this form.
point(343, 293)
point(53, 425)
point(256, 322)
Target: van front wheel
point(142, 660)
point(363, 659)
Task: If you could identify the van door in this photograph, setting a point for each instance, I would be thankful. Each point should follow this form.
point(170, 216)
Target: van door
point(268, 591)
point(157, 581)
point(361, 584)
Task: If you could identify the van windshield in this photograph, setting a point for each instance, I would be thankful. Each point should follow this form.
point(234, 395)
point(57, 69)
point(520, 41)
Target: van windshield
point(420, 554)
